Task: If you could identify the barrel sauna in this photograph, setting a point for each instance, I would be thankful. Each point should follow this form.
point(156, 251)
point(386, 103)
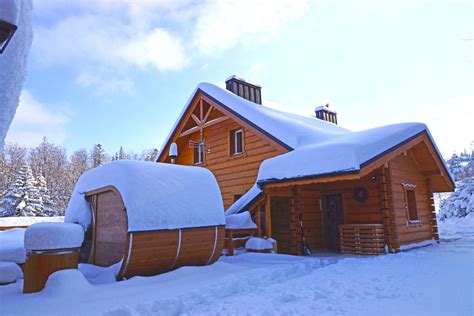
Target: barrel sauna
point(148, 218)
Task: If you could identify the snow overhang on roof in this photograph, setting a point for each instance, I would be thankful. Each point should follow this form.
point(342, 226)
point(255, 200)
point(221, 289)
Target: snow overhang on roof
point(344, 154)
point(156, 195)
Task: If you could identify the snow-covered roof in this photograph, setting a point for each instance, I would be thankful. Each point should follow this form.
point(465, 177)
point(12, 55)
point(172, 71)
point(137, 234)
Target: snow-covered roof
point(156, 195)
point(343, 153)
point(316, 147)
point(244, 200)
point(289, 129)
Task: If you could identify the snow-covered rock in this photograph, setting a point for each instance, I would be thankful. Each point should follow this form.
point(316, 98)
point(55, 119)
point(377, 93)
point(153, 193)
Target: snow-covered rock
point(240, 221)
point(46, 236)
point(9, 272)
point(258, 244)
point(11, 245)
point(156, 195)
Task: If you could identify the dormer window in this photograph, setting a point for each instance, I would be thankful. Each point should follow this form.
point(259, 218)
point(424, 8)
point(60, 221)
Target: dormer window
point(236, 142)
point(199, 154)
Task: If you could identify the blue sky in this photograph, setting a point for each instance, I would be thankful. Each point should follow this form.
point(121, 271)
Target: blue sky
point(119, 72)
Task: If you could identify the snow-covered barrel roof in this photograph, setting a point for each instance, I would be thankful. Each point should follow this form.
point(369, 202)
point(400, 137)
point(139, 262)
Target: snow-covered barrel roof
point(156, 195)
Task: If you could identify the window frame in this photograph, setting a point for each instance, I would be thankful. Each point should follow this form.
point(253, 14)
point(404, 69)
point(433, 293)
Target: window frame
point(200, 154)
point(233, 142)
point(411, 205)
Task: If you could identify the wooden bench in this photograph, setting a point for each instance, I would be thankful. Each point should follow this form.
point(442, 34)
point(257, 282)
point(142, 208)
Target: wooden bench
point(236, 238)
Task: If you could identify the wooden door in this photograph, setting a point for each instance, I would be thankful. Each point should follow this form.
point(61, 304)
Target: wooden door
point(335, 218)
point(280, 209)
point(110, 229)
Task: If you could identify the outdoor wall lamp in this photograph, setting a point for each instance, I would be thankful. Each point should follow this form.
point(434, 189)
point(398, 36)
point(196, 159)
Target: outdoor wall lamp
point(7, 30)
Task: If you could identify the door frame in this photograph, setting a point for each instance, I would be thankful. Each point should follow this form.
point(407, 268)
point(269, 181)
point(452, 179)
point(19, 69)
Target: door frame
point(325, 216)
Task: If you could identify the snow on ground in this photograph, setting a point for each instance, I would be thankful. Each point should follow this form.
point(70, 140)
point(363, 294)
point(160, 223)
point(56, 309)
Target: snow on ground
point(27, 221)
point(12, 248)
point(433, 280)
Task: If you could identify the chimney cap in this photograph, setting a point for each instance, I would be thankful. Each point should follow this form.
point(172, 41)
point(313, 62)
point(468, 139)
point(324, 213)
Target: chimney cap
point(325, 108)
point(243, 80)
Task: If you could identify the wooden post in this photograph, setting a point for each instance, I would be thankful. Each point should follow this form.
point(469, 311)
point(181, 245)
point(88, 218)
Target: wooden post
point(432, 210)
point(268, 218)
point(296, 221)
point(385, 186)
point(230, 241)
point(258, 221)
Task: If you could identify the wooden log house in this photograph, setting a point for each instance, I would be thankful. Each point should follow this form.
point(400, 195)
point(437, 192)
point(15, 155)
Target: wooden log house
point(364, 192)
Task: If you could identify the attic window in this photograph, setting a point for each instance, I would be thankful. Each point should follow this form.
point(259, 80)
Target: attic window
point(199, 154)
point(412, 211)
point(236, 142)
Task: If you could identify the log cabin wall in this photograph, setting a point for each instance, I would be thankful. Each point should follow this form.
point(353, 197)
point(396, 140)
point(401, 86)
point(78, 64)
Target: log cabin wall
point(404, 169)
point(308, 200)
point(235, 174)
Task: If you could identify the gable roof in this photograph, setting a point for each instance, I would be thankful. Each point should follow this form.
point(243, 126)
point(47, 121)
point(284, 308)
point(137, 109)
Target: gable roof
point(316, 147)
point(288, 129)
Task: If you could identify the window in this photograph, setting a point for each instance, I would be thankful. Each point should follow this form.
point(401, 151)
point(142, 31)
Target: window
point(236, 142)
point(199, 153)
point(411, 205)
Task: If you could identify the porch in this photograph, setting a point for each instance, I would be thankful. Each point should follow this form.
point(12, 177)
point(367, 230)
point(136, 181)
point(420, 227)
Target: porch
point(349, 217)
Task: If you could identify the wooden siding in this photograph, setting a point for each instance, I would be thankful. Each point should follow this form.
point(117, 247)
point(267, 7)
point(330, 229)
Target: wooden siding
point(235, 173)
point(154, 252)
point(39, 267)
point(403, 169)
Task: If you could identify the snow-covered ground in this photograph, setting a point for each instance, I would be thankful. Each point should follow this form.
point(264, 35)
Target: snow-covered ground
point(27, 221)
point(434, 280)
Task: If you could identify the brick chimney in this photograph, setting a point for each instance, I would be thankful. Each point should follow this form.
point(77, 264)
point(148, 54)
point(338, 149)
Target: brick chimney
point(244, 89)
point(326, 114)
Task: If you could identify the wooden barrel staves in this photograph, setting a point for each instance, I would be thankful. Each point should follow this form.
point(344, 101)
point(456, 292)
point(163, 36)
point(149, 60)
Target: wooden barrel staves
point(41, 264)
point(148, 218)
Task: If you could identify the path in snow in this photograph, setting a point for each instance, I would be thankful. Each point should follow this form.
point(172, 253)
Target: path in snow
point(433, 280)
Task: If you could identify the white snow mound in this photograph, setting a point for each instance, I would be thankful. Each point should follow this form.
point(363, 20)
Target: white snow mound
point(47, 236)
point(242, 221)
point(256, 243)
point(9, 272)
point(11, 245)
point(156, 195)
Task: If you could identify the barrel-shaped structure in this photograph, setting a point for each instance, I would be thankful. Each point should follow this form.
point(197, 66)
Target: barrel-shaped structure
point(148, 218)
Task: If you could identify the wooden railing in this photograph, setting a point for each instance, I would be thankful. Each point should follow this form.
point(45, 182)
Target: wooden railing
point(362, 239)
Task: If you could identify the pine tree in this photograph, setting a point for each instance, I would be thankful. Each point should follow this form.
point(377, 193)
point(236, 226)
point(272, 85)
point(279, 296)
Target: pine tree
point(98, 156)
point(22, 197)
point(44, 192)
point(460, 203)
point(455, 167)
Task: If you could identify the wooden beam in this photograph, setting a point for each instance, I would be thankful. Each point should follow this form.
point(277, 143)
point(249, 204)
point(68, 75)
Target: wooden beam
point(207, 114)
point(197, 128)
point(288, 183)
point(268, 218)
point(432, 210)
point(200, 110)
point(198, 122)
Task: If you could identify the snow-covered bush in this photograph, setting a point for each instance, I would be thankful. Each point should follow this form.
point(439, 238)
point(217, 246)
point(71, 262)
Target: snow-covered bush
point(460, 203)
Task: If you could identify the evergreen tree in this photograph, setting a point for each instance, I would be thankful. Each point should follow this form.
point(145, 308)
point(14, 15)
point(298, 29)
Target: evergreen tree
point(455, 167)
point(22, 197)
point(98, 156)
point(460, 203)
point(44, 192)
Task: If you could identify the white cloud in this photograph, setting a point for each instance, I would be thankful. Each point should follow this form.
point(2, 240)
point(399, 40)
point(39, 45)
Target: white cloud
point(223, 24)
point(33, 121)
point(105, 83)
